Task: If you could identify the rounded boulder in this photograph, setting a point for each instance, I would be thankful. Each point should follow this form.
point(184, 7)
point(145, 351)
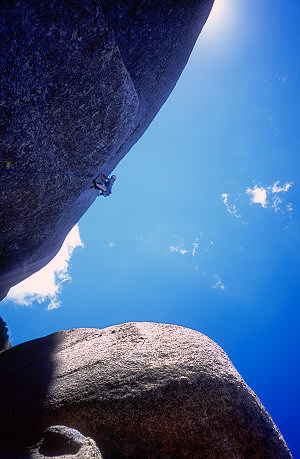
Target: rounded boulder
point(139, 390)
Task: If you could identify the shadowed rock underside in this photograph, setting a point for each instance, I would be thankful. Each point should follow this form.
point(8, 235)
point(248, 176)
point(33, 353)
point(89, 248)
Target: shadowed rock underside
point(80, 82)
point(4, 341)
point(58, 441)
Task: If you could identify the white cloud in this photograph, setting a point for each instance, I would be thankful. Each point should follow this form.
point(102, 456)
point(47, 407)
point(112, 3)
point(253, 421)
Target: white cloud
point(195, 247)
point(179, 246)
point(180, 250)
point(45, 285)
point(268, 196)
point(111, 244)
point(218, 283)
point(279, 189)
point(259, 195)
point(231, 209)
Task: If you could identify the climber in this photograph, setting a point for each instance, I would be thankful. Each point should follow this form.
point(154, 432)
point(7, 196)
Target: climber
point(105, 185)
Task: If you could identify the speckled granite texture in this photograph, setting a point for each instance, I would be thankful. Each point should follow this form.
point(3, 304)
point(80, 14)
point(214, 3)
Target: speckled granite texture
point(139, 390)
point(80, 82)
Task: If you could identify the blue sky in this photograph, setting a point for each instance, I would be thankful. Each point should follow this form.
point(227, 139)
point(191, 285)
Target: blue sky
point(202, 228)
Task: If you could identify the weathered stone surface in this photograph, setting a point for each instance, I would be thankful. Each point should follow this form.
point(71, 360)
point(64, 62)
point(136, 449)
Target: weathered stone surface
point(79, 84)
point(58, 441)
point(139, 390)
point(4, 341)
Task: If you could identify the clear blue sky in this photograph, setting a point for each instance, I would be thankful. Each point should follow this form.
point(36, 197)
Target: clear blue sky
point(181, 239)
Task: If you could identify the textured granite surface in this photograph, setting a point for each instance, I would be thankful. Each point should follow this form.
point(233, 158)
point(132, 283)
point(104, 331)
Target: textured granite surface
point(139, 390)
point(60, 442)
point(79, 84)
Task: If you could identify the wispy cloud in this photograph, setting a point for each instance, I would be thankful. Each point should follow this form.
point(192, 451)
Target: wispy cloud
point(178, 249)
point(191, 248)
point(276, 204)
point(218, 283)
point(195, 247)
point(280, 189)
point(231, 208)
point(46, 284)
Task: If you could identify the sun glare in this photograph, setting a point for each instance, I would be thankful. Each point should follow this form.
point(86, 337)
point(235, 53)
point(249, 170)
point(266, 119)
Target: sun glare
point(218, 17)
point(222, 26)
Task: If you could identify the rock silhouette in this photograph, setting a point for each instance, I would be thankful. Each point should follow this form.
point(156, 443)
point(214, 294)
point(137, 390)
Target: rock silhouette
point(4, 341)
point(139, 390)
point(80, 83)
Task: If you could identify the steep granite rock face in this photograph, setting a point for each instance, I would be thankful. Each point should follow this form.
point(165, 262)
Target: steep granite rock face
point(80, 82)
point(4, 341)
point(139, 390)
point(59, 442)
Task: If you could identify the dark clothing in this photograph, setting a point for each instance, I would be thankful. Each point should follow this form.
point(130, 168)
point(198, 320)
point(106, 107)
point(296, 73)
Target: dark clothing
point(108, 185)
point(104, 186)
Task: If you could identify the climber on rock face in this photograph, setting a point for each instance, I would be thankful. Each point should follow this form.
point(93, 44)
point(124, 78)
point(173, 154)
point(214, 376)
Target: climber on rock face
point(105, 185)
